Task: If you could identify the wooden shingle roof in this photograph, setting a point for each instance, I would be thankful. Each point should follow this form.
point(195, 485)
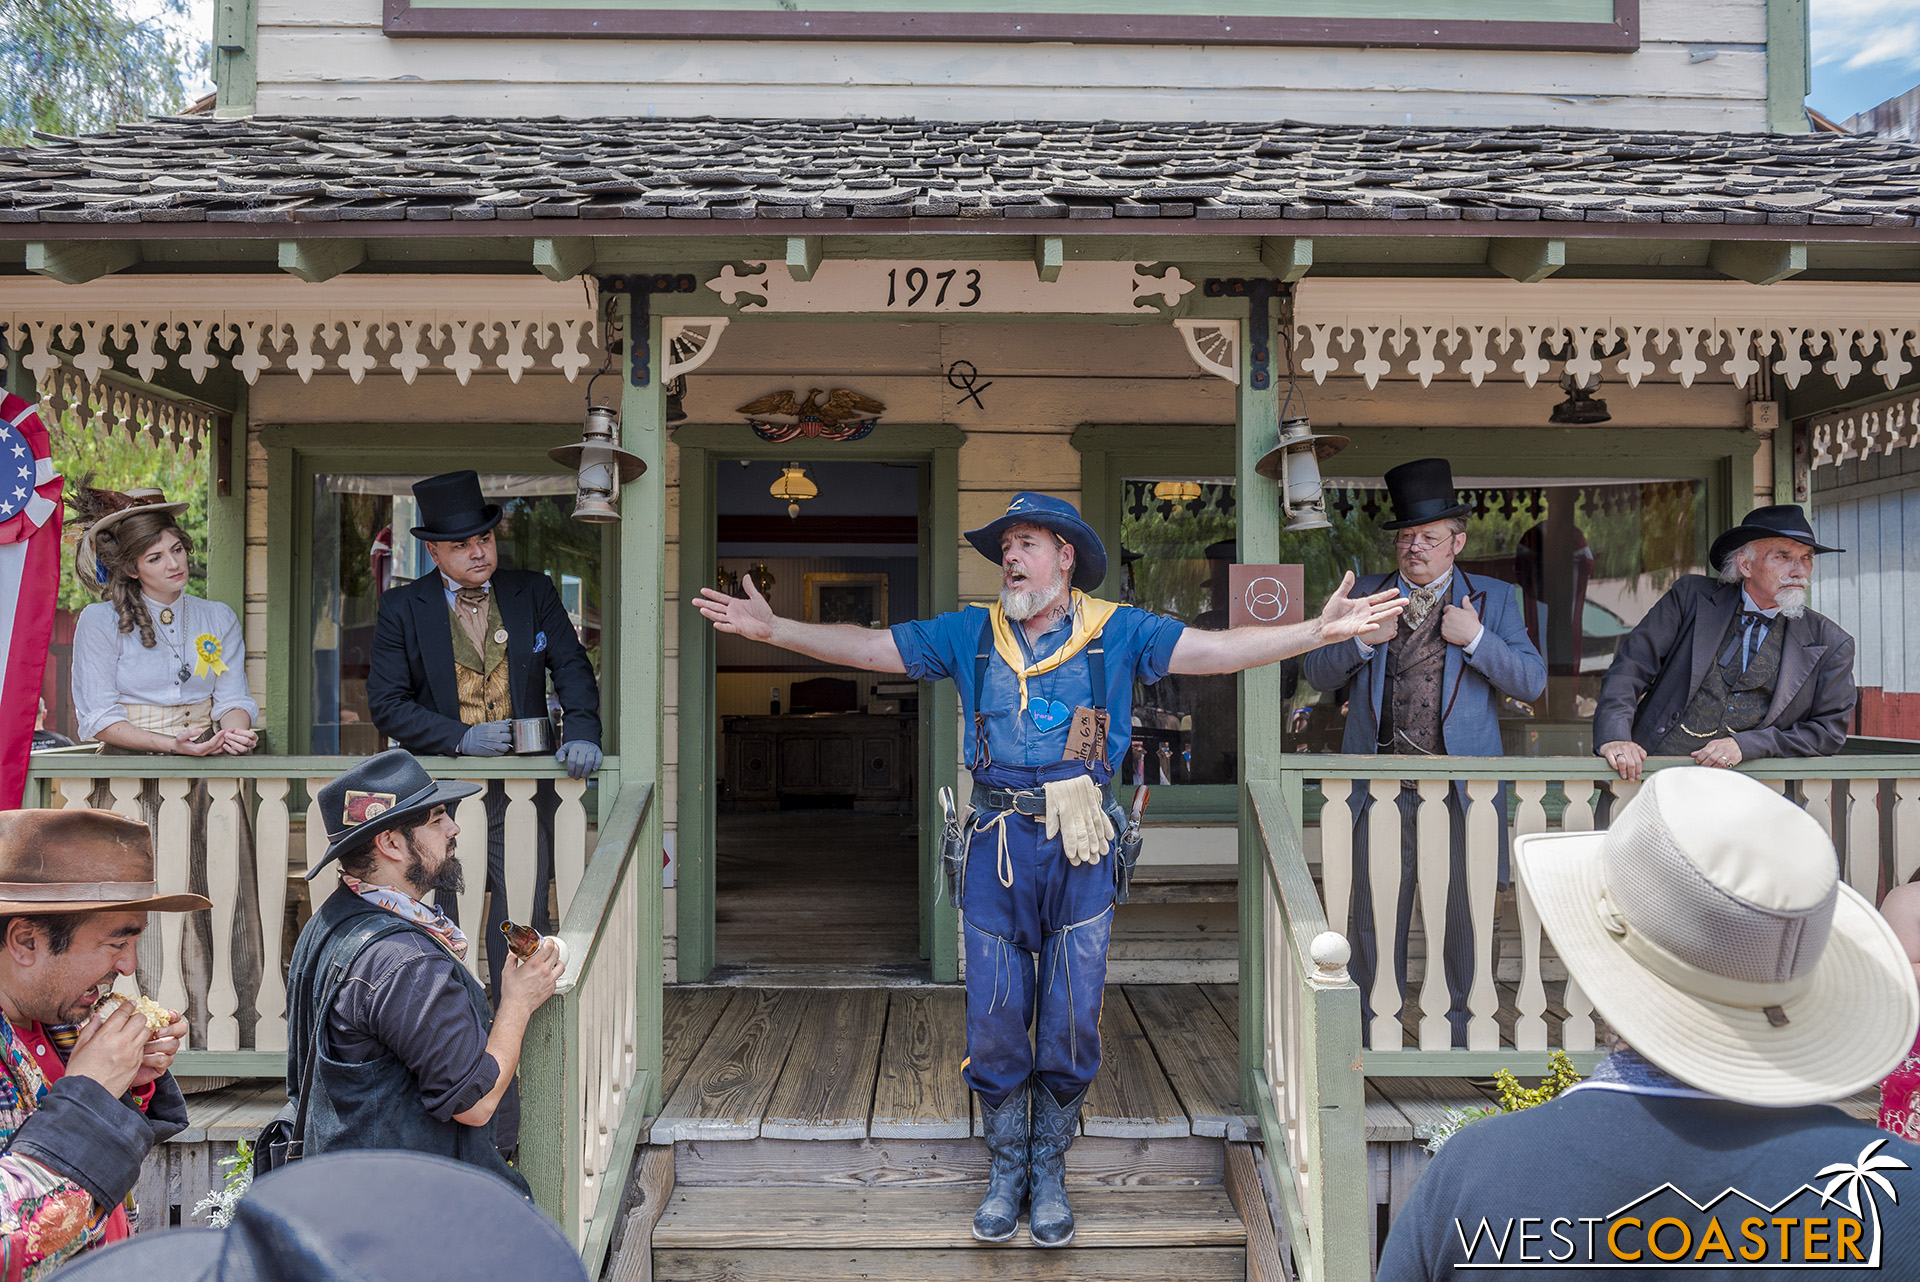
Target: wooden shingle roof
point(280, 170)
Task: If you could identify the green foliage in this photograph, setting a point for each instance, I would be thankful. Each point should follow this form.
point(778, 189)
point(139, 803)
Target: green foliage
point(80, 66)
point(117, 463)
point(218, 1206)
point(1560, 1075)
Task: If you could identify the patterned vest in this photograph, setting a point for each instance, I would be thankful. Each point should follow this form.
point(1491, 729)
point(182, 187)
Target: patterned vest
point(481, 679)
point(1730, 700)
point(1416, 667)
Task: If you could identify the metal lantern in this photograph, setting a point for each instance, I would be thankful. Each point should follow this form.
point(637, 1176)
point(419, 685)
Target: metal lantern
point(601, 466)
point(1295, 463)
point(1581, 408)
point(795, 486)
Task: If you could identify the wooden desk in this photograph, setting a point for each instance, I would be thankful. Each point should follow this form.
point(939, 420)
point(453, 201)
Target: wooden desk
point(867, 758)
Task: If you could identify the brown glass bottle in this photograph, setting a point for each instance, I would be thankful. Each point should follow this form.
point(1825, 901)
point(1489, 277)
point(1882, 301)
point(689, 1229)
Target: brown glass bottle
point(521, 940)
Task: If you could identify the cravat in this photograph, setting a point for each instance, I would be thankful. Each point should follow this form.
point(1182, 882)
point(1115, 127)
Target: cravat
point(470, 607)
point(1753, 635)
point(1422, 599)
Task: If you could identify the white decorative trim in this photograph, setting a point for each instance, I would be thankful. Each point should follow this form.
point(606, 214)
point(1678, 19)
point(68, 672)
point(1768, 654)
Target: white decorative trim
point(1214, 346)
point(1878, 428)
point(104, 406)
point(678, 329)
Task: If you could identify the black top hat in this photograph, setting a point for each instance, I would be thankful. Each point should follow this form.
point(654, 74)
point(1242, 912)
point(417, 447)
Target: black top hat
point(374, 796)
point(452, 508)
point(1781, 521)
point(406, 1216)
point(1422, 492)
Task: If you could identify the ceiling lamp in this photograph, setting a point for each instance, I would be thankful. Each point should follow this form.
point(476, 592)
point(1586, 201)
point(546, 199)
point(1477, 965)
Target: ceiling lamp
point(1178, 493)
point(601, 467)
point(1295, 462)
point(794, 486)
point(1581, 408)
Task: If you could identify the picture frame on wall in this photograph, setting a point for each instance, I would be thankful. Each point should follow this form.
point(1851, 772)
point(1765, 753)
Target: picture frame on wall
point(838, 597)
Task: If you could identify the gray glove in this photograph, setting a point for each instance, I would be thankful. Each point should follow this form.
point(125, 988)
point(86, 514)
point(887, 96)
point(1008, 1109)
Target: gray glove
point(579, 757)
point(488, 739)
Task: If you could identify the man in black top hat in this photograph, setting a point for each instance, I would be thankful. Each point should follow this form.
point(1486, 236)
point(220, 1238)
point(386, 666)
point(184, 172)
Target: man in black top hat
point(391, 1042)
point(1428, 684)
point(461, 653)
point(1733, 669)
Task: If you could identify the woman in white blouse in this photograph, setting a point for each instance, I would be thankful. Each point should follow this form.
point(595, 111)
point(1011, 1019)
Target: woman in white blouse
point(157, 670)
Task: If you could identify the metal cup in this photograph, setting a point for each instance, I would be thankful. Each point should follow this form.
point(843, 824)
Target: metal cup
point(532, 735)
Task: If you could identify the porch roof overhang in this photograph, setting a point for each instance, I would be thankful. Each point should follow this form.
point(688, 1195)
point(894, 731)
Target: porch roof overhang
point(271, 177)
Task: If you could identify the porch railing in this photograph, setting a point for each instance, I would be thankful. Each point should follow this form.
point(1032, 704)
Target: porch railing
point(1303, 1058)
point(582, 1090)
point(268, 796)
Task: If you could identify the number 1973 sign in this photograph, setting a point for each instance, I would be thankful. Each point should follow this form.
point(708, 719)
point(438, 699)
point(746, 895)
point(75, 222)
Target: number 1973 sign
point(914, 287)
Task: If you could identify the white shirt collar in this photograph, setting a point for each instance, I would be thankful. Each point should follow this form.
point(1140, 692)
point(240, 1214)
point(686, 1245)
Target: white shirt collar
point(452, 587)
point(1746, 603)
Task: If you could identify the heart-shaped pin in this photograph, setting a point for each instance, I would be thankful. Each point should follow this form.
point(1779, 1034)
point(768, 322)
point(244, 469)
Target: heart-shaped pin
point(1048, 714)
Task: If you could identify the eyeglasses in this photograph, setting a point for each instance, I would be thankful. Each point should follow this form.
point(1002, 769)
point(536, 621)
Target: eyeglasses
point(1419, 542)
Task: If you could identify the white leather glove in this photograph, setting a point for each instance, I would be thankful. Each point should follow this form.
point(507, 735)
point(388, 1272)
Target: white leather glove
point(1077, 815)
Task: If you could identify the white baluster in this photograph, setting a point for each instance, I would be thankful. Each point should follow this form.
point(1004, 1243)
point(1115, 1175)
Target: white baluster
point(470, 817)
point(1483, 867)
point(126, 801)
point(1530, 1028)
point(223, 887)
point(522, 832)
point(1863, 836)
point(1336, 851)
point(1579, 813)
point(1624, 790)
point(170, 862)
point(272, 835)
point(1431, 847)
point(73, 794)
point(1383, 877)
point(1906, 828)
point(1817, 795)
point(569, 842)
point(1577, 1033)
point(321, 885)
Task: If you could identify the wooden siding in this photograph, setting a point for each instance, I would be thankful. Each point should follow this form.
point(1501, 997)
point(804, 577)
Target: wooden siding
point(1873, 590)
point(1702, 64)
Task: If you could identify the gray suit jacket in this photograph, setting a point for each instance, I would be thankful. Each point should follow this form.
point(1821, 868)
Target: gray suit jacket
point(1661, 664)
point(1504, 662)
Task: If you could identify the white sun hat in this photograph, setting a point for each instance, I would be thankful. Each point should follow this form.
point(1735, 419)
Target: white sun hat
point(1711, 929)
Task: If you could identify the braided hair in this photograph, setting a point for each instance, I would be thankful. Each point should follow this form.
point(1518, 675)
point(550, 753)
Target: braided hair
point(119, 549)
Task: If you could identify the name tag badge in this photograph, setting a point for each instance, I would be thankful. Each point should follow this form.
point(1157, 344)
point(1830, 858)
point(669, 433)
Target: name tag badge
point(1087, 740)
point(1048, 714)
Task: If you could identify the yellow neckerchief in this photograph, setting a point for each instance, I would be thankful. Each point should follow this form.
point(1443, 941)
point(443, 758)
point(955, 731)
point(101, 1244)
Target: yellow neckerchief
point(1089, 616)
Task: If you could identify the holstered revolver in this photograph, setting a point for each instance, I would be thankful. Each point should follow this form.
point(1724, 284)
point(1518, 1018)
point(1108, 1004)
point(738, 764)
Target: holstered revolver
point(953, 847)
point(1126, 848)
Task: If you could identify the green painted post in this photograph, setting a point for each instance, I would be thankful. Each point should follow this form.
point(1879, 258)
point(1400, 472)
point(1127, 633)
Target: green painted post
point(1262, 705)
point(226, 549)
point(236, 60)
point(1789, 71)
point(694, 844)
point(1330, 1023)
point(939, 712)
point(642, 673)
point(277, 714)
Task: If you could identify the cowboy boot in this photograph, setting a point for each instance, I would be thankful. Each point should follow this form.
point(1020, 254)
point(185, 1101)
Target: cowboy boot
point(1050, 1219)
point(999, 1213)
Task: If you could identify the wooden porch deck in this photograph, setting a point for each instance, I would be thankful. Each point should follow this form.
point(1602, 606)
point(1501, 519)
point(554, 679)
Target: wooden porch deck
point(884, 1063)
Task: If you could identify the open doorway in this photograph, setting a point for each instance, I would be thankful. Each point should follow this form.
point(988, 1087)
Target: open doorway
point(817, 830)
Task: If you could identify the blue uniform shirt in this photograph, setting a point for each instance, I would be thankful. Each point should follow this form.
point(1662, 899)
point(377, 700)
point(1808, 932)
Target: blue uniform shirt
point(1138, 645)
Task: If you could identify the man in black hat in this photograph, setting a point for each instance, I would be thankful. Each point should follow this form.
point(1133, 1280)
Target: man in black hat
point(1428, 684)
point(1733, 669)
point(458, 655)
point(391, 1042)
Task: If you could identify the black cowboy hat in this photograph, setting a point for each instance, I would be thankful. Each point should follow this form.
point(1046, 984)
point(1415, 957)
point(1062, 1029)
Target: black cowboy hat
point(406, 1216)
point(1422, 492)
point(1049, 513)
point(452, 508)
point(1781, 521)
point(374, 796)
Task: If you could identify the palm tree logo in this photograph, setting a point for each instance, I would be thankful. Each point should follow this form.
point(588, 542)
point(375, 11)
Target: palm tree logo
point(1862, 1175)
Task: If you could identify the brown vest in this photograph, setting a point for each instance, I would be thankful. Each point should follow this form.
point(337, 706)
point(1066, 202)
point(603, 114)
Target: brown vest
point(1416, 667)
point(486, 693)
point(1730, 700)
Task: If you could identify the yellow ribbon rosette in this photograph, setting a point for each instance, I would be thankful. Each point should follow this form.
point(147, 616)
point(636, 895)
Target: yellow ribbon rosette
point(206, 650)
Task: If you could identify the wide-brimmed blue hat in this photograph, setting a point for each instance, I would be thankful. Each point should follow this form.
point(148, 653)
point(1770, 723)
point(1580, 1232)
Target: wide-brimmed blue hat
point(374, 796)
point(1058, 515)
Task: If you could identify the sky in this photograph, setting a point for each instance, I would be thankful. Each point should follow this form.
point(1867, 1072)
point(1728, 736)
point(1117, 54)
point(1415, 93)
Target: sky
point(1864, 52)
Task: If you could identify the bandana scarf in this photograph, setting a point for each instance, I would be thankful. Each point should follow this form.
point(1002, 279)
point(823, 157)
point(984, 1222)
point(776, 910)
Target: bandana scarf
point(428, 916)
point(1089, 616)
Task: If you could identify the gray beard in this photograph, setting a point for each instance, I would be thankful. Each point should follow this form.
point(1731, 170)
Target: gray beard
point(1022, 604)
point(1792, 602)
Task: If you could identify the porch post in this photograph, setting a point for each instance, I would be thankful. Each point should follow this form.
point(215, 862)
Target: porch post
point(695, 826)
point(1261, 701)
point(940, 713)
point(640, 687)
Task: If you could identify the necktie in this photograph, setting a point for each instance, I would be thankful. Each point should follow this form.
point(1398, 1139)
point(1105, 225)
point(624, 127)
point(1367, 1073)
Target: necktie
point(1753, 634)
point(470, 607)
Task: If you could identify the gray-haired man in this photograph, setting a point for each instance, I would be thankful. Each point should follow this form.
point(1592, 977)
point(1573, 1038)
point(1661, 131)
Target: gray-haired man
point(1733, 669)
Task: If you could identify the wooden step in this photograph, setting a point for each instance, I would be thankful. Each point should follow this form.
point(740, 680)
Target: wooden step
point(1093, 1160)
point(747, 1234)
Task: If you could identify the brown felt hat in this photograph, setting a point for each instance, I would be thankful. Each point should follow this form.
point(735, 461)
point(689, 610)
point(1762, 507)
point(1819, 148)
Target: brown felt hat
point(77, 861)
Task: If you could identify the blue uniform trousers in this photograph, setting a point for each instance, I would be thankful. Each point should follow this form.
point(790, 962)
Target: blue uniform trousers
point(1037, 929)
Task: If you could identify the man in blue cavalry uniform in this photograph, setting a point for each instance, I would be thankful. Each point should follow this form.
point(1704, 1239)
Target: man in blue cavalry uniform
point(1046, 684)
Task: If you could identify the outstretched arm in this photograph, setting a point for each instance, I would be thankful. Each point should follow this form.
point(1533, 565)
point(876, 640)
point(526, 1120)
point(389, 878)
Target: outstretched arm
point(1240, 648)
point(841, 643)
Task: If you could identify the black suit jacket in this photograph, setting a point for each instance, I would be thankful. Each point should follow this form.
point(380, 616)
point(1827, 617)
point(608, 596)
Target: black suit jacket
point(1660, 666)
point(411, 689)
